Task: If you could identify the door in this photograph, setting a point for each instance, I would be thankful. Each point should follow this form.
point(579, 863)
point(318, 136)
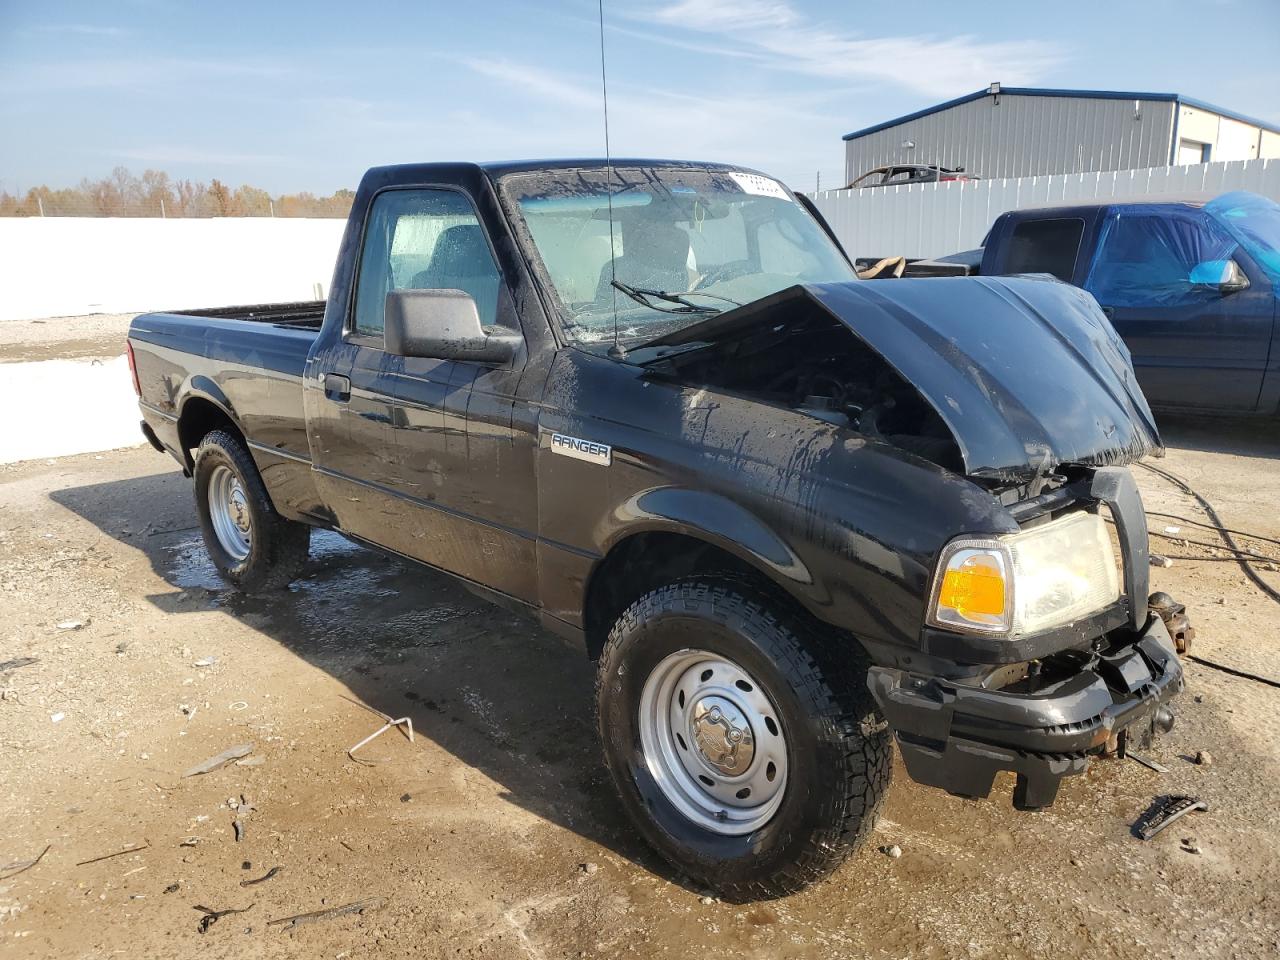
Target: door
point(457, 491)
point(1193, 346)
point(353, 445)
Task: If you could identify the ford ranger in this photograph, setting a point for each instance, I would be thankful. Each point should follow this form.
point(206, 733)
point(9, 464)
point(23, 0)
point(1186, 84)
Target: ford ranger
point(795, 517)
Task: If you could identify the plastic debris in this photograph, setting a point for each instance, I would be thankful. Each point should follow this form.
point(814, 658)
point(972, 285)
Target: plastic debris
point(1147, 762)
point(360, 907)
point(8, 870)
point(57, 717)
point(221, 760)
point(213, 916)
point(18, 662)
point(206, 662)
point(119, 853)
point(1164, 811)
point(242, 808)
point(71, 625)
point(262, 879)
point(403, 721)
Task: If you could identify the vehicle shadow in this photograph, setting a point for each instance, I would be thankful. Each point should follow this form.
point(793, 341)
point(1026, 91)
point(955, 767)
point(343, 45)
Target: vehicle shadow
point(494, 689)
point(1257, 437)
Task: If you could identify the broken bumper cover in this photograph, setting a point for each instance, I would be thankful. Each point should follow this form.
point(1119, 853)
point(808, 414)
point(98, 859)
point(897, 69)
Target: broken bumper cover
point(958, 737)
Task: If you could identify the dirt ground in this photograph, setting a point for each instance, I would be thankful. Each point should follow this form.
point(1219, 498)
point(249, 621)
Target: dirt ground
point(494, 833)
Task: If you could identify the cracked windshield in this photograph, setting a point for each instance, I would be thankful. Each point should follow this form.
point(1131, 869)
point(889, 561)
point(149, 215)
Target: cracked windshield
point(639, 252)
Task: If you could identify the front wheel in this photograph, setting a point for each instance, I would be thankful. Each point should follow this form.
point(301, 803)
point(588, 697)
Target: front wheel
point(747, 750)
point(252, 546)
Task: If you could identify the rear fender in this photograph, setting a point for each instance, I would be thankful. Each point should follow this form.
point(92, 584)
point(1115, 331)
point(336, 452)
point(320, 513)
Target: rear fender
point(202, 388)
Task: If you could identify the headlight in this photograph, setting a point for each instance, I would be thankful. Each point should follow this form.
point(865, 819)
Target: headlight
point(1024, 583)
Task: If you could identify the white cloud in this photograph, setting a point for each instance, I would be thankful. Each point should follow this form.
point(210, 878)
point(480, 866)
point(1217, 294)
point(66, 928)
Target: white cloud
point(788, 41)
point(156, 74)
point(717, 15)
point(523, 80)
point(560, 115)
point(83, 30)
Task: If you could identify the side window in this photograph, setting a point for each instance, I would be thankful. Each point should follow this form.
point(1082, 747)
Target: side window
point(423, 240)
point(1045, 246)
point(1147, 260)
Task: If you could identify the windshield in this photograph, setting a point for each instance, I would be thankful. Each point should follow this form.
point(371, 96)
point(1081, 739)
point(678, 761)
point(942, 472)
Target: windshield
point(685, 243)
point(1255, 222)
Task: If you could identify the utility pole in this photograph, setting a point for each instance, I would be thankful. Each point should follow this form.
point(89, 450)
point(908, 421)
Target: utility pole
point(817, 182)
point(272, 204)
point(163, 215)
point(40, 204)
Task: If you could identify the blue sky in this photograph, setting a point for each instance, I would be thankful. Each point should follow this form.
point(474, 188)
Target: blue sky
point(293, 95)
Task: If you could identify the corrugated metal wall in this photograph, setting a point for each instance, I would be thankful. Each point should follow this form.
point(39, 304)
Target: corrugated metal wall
point(934, 219)
point(1024, 136)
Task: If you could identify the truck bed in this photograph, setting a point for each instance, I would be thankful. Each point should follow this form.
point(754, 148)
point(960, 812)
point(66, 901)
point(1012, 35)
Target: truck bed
point(247, 359)
point(303, 313)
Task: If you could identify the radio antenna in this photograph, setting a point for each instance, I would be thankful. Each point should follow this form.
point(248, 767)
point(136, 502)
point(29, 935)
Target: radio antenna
point(616, 350)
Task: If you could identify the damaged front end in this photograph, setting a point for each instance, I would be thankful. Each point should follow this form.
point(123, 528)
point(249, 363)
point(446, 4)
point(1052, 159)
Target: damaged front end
point(999, 379)
point(1037, 648)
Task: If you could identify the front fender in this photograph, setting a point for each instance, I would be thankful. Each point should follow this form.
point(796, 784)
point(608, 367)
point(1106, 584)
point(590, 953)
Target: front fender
point(714, 519)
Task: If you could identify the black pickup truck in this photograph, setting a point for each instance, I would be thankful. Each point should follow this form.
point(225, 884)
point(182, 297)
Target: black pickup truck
point(792, 515)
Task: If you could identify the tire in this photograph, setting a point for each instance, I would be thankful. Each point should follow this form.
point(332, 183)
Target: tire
point(269, 551)
point(834, 757)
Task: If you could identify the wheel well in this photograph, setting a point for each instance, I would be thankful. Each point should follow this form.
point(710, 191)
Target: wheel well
point(200, 417)
point(646, 561)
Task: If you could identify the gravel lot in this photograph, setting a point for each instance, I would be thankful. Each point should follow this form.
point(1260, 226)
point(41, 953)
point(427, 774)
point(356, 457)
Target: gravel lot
point(495, 833)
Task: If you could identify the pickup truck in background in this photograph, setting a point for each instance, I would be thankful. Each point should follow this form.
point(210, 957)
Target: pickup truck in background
point(1191, 286)
point(792, 515)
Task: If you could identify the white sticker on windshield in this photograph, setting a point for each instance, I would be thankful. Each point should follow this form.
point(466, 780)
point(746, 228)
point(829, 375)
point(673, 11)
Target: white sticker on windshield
point(760, 186)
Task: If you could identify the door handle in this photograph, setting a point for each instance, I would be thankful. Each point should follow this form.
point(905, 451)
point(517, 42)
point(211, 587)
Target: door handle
point(337, 387)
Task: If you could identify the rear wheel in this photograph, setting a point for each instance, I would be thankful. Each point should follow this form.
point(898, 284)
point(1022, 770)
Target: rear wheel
point(252, 546)
point(745, 746)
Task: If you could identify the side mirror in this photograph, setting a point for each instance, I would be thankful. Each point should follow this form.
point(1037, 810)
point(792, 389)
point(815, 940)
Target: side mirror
point(1225, 276)
point(442, 325)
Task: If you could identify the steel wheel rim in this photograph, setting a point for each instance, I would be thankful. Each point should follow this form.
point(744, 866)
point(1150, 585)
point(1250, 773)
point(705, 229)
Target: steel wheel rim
point(713, 742)
point(229, 513)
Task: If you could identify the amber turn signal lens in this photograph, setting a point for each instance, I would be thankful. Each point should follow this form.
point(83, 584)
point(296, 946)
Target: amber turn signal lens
point(974, 587)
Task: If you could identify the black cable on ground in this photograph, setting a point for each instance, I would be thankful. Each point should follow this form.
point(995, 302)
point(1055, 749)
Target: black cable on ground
point(1215, 546)
point(1212, 514)
point(1201, 523)
point(1243, 674)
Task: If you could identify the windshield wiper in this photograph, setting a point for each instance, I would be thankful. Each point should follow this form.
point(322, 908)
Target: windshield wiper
point(645, 296)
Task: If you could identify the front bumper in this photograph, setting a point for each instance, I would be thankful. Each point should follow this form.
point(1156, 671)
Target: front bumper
point(959, 737)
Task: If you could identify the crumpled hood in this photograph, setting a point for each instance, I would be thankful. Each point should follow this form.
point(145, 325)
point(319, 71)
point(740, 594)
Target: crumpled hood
point(1026, 372)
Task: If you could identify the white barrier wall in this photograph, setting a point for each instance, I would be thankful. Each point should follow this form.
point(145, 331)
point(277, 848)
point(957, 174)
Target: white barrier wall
point(934, 219)
point(67, 266)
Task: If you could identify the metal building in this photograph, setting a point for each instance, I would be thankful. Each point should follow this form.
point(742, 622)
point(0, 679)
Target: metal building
point(1028, 131)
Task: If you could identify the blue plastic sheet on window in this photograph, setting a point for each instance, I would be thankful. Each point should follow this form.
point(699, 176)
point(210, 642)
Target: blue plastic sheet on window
point(1151, 256)
point(1255, 222)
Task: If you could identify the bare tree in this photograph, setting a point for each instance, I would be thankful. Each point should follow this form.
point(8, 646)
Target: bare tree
point(121, 194)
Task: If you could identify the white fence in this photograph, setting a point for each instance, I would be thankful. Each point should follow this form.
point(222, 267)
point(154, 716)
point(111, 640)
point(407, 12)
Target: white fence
point(934, 219)
point(66, 266)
